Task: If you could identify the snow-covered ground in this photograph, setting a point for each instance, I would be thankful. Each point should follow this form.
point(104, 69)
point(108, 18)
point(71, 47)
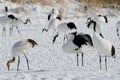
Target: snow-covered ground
point(48, 61)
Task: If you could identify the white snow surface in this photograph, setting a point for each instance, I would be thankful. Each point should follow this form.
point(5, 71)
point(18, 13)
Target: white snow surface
point(47, 61)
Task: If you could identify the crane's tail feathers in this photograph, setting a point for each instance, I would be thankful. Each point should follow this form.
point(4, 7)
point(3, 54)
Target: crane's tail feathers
point(4, 31)
point(89, 39)
point(113, 52)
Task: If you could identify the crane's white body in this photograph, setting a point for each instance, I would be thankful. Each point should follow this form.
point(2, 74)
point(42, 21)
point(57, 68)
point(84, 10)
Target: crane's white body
point(102, 45)
point(16, 23)
point(21, 47)
point(70, 47)
point(5, 20)
point(75, 43)
point(63, 28)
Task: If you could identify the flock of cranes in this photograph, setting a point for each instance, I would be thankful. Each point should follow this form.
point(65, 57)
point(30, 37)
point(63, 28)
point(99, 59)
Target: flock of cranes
point(73, 42)
point(12, 21)
point(20, 47)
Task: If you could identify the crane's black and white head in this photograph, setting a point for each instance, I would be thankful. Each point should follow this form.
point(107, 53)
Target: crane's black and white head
point(100, 18)
point(88, 19)
point(55, 11)
point(32, 42)
point(53, 14)
point(92, 24)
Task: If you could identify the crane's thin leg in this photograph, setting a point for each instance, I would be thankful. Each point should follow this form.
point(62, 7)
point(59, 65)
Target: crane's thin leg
point(18, 31)
point(82, 59)
point(11, 30)
point(77, 59)
point(27, 61)
point(100, 62)
point(106, 62)
point(18, 63)
point(4, 31)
